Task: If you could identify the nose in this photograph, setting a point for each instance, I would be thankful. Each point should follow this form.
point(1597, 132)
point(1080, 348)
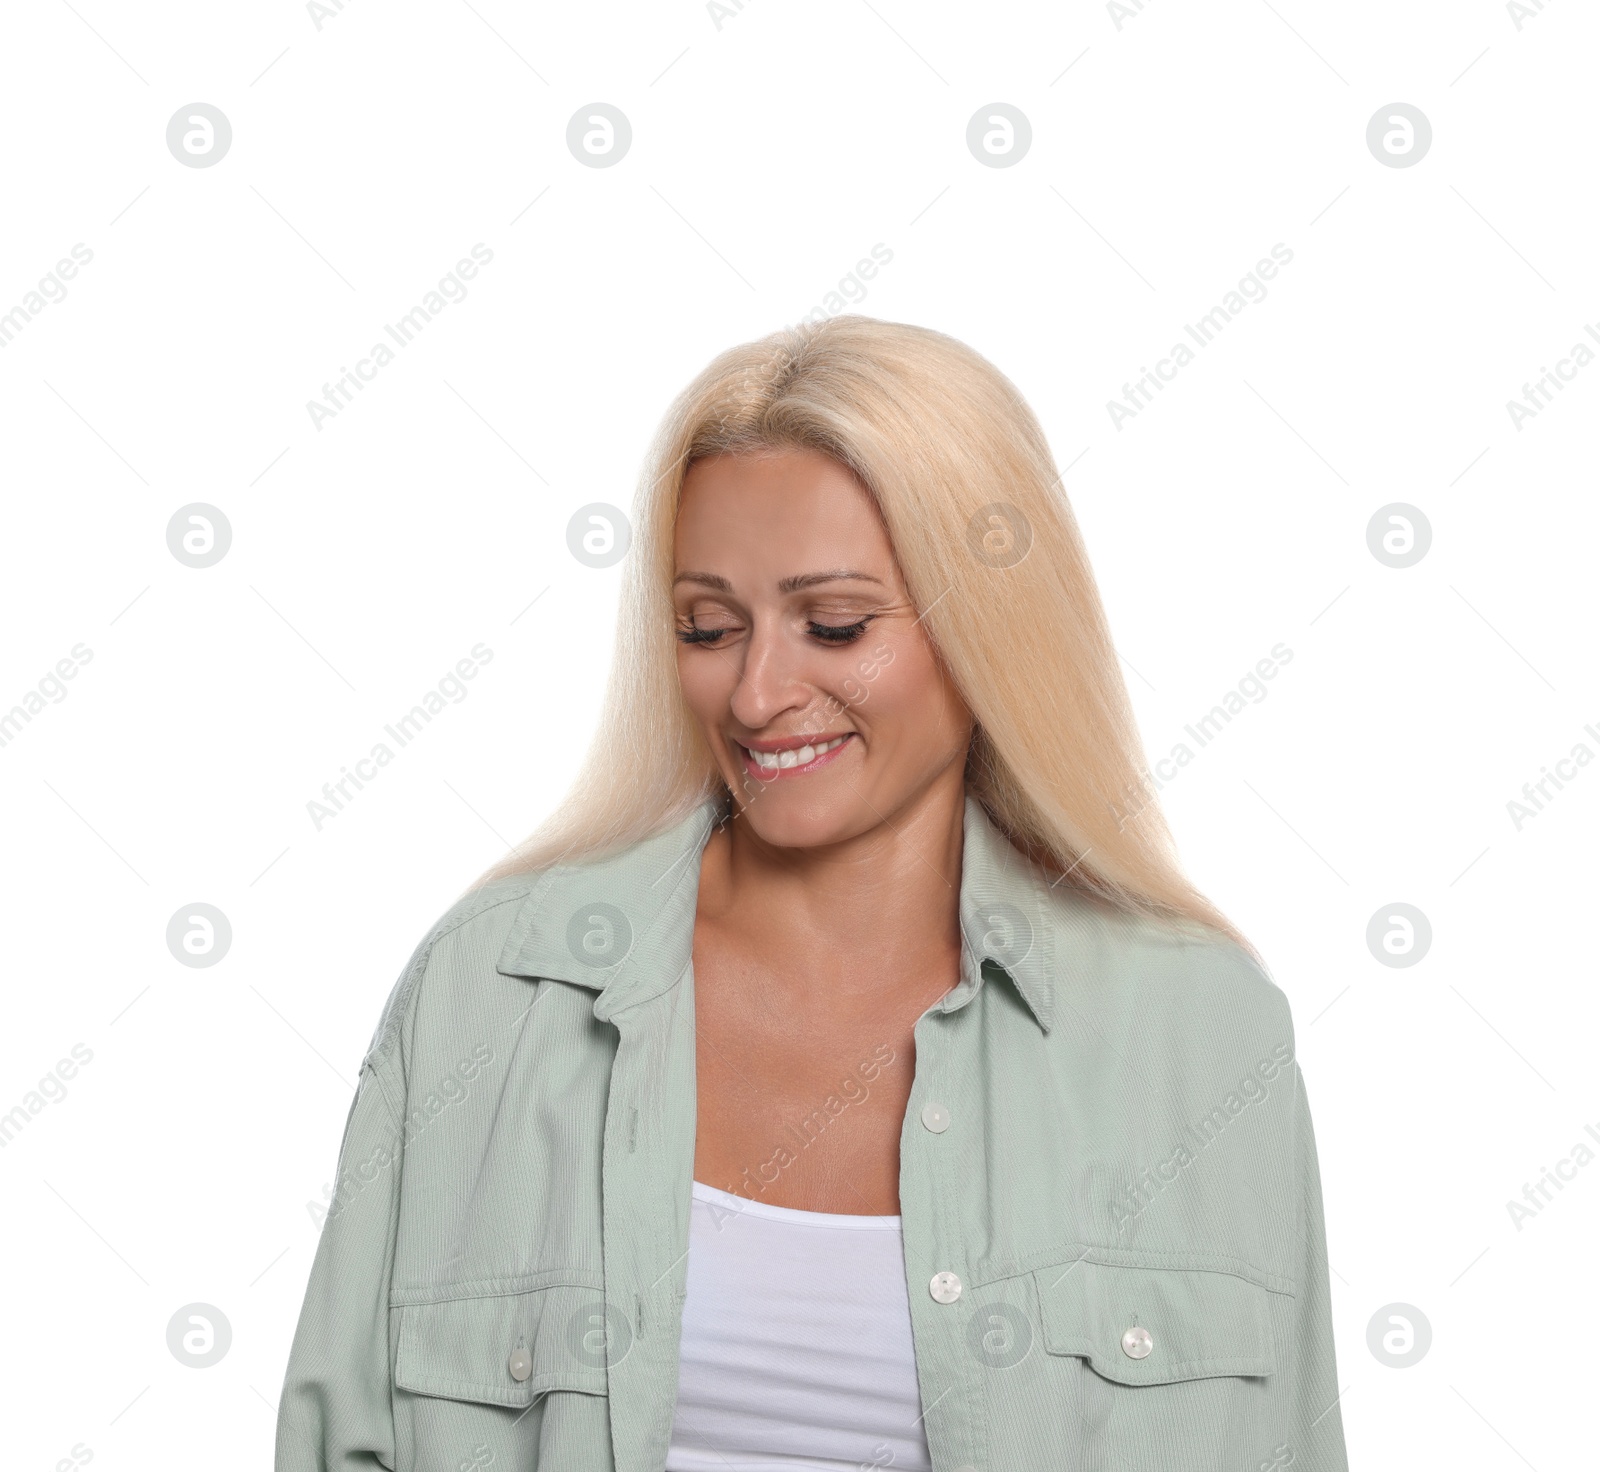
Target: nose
point(772, 679)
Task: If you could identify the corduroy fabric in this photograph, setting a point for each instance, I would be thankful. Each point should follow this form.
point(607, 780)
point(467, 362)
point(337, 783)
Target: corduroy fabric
point(500, 1277)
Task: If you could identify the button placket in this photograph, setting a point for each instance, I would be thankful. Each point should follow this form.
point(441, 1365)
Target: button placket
point(931, 1221)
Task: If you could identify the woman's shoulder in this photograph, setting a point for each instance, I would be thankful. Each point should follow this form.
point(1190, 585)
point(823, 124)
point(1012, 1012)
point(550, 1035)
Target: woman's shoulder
point(1169, 978)
point(451, 973)
point(473, 969)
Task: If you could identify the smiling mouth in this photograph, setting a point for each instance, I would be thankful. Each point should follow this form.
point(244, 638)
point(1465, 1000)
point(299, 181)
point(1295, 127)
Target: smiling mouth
point(793, 761)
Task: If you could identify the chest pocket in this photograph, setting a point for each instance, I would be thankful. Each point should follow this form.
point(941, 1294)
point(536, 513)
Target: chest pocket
point(1156, 1326)
point(505, 1349)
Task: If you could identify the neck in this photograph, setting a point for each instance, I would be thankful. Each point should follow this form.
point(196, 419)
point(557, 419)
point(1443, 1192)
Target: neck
point(892, 890)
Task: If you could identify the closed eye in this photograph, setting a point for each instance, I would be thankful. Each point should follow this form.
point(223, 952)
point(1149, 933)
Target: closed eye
point(834, 634)
point(838, 633)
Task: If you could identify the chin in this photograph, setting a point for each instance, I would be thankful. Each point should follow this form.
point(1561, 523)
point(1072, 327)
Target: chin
point(812, 820)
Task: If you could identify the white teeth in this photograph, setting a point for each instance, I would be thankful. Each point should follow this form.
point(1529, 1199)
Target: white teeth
point(771, 761)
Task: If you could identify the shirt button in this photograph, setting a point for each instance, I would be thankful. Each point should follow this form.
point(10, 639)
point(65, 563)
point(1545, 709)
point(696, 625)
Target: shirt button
point(935, 1117)
point(521, 1364)
point(1137, 1343)
point(945, 1287)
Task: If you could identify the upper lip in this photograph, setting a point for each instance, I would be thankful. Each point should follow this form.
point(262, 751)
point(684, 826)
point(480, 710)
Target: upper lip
point(790, 743)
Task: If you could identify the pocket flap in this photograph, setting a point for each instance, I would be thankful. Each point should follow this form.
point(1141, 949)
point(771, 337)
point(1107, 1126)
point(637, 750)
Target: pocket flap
point(1195, 1323)
point(504, 1349)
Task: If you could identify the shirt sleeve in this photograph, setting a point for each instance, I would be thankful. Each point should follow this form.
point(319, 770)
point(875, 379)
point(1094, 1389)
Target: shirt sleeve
point(1315, 1427)
point(336, 1410)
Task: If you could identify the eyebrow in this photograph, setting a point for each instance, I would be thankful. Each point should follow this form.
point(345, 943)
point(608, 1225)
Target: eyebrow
point(785, 585)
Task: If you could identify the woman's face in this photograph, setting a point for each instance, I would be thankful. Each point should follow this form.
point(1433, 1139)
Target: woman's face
point(801, 655)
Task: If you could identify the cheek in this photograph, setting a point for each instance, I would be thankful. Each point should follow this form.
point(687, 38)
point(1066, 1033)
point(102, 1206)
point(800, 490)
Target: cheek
point(898, 681)
point(707, 684)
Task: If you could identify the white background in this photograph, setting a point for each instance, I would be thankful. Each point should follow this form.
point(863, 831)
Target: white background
point(770, 153)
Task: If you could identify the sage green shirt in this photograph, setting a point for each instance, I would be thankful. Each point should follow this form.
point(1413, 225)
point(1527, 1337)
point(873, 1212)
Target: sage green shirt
point(1108, 1190)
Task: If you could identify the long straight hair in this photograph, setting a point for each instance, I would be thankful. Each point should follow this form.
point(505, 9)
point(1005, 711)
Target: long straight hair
point(990, 551)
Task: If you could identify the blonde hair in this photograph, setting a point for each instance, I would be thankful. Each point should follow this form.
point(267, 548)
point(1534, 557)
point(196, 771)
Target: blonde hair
point(988, 546)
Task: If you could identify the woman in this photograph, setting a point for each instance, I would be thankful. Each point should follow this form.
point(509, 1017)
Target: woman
point(846, 1076)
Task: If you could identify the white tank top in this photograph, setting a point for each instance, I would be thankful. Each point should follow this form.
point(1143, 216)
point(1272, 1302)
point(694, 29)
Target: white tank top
point(796, 1350)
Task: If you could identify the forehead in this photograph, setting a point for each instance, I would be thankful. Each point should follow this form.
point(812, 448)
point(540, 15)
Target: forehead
point(777, 514)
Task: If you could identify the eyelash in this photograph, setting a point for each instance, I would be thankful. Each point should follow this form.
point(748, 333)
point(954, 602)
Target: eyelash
point(838, 633)
point(835, 634)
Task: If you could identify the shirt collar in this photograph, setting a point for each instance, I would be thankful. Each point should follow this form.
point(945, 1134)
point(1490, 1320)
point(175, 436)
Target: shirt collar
point(623, 924)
